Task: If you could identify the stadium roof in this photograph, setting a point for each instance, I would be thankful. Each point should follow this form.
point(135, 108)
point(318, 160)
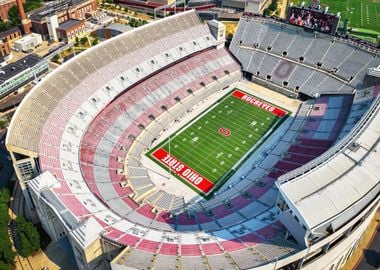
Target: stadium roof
point(335, 187)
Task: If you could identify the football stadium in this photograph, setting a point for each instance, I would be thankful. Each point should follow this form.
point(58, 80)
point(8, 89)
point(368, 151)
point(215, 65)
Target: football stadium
point(163, 149)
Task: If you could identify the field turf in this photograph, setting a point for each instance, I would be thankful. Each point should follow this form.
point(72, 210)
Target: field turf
point(212, 144)
point(360, 13)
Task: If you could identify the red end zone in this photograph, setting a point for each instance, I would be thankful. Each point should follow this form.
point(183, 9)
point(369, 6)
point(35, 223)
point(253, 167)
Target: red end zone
point(183, 171)
point(259, 103)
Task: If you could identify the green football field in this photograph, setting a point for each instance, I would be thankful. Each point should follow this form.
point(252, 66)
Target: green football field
point(212, 144)
point(360, 13)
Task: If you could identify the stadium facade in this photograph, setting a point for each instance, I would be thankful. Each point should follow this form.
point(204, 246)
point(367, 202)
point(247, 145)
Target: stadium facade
point(77, 139)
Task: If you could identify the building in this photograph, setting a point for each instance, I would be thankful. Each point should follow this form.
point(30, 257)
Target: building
point(112, 30)
point(4, 49)
point(5, 5)
point(11, 35)
point(64, 10)
point(79, 139)
point(70, 29)
point(253, 6)
point(28, 43)
point(17, 74)
point(257, 6)
point(6, 41)
point(102, 18)
point(161, 2)
point(52, 25)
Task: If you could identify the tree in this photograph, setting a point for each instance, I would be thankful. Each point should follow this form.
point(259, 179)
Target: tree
point(96, 41)
point(6, 254)
point(14, 16)
point(76, 41)
point(55, 58)
point(83, 40)
point(29, 239)
point(32, 4)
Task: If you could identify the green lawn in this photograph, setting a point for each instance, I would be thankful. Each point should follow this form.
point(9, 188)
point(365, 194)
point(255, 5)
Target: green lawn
point(360, 13)
point(201, 146)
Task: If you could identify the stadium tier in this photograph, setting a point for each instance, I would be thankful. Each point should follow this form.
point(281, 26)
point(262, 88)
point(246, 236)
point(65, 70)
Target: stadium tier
point(98, 141)
point(284, 55)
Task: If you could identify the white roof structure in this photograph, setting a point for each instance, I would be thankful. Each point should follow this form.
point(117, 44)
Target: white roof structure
point(337, 190)
point(88, 232)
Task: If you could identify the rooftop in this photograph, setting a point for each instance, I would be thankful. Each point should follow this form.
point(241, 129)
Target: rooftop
point(28, 38)
point(69, 24)
point(20, 65)
point(118, 27)
point(5, 33)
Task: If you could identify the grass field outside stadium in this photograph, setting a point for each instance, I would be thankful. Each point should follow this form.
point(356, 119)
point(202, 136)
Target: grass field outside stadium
point(360, 13)
point(205, 152)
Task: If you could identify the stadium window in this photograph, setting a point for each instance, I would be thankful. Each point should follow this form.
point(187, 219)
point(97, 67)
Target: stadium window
point(284, 53)
point(152, 62)
point(93, 100)
point(194, 43)
point(141, 126)
point(285, 83)
point(319, 64)
point(269, 77)
point(163, 107)
point(269, 48)
point(214, 78)
point(180, 48)
point(207, 38)
point(202, 84)
point(240, 42)
point(189, 91)
point(257, 73)
point(122, 78)
point(256, 45)
point(301, 59)
point(166, 54)
point(177, 99)
point(297, 88)
point(226, 72)
point(137, 69)
point(151, 117)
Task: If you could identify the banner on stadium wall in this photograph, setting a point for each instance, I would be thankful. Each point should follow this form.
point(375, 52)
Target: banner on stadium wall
point(182, 170)
point(259, 103)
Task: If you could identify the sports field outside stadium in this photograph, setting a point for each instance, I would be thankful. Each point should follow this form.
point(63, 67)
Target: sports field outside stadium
point(360, 13)
point(205, 152)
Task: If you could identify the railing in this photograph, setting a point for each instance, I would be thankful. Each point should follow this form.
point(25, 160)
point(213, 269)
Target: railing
point(339, 147)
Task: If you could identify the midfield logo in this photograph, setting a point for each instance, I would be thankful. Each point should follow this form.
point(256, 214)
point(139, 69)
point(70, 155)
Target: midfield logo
point(224, 131)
